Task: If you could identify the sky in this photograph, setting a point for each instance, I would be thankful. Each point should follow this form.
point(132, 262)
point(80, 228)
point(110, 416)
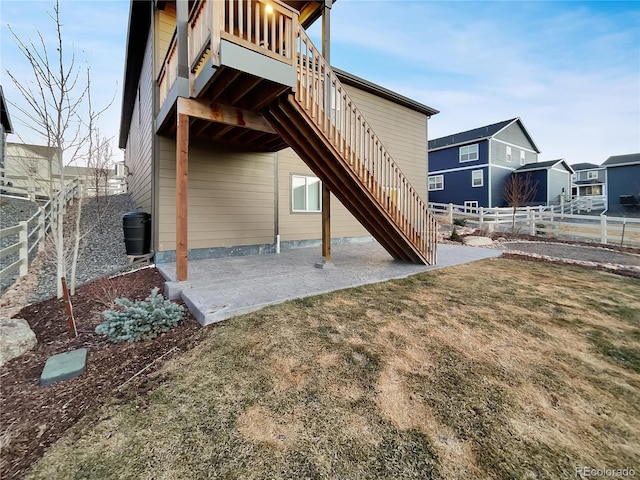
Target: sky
point(570, 70)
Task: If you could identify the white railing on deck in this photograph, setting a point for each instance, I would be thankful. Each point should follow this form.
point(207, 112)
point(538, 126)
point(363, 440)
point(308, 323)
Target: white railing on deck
point(326, 101)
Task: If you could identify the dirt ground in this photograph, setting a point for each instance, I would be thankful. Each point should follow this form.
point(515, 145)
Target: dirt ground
point(32, 418)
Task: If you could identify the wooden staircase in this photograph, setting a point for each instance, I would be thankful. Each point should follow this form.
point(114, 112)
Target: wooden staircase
point(325, 128)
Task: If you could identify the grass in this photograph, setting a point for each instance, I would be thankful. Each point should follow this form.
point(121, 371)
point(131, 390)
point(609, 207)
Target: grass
point(497, 369)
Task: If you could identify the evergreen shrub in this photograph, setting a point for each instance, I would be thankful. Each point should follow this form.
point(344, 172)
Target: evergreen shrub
point(134, 321)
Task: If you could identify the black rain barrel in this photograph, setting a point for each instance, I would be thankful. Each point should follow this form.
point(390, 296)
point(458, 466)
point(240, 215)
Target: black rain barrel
point(137, 232)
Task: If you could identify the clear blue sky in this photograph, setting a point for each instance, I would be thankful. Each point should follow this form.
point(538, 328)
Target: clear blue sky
point(570, 70)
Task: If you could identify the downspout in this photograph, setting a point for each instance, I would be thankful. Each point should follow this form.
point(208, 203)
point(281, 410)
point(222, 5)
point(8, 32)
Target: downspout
point(276, 202)
point(489, 182)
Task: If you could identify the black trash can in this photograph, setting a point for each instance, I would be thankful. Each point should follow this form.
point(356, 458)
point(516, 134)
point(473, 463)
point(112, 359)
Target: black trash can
point(137, 232)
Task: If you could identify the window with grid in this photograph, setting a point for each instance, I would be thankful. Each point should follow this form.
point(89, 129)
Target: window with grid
point(436, 182)
point(469, 153)
point(477, 178)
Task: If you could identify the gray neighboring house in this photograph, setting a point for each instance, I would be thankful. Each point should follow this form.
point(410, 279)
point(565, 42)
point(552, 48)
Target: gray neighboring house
point(552, 179)
point(589, 180)
point(5, 128)
point(623, 184)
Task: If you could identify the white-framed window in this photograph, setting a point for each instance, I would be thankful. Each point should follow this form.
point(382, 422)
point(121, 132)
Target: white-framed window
point(523, 158)
point(471, 206)
point(469, 153)
point(306, 194)
point(592, 175)
point(508, 154)
point(477, 178)
point(436, 182)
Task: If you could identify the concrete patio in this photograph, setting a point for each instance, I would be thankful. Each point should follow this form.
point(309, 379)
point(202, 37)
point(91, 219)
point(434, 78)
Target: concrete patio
point(220, 288)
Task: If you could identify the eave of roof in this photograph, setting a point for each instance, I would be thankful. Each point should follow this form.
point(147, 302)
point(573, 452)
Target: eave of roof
point(546, 165)
point(362, 84)
point(4, 113)
point(585, 166)
point(137, 33)
point(478, 134)
point(622, 160)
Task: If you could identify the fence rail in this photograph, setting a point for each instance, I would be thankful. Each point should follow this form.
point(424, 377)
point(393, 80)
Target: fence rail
point(545, 221)
point(31, 233)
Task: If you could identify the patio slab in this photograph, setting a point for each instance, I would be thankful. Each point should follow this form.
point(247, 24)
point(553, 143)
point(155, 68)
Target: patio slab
point(220, 288)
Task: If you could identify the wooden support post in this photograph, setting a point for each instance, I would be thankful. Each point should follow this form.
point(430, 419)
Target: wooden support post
point(182, 188)
point(326, 224)
point(24, 248)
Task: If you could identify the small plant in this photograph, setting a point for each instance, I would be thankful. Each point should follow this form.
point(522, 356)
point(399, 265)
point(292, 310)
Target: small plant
point(460, 222)
point(454, 235)
point(134, 321)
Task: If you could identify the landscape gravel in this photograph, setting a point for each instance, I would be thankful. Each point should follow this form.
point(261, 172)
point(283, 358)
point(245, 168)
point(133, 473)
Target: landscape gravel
point(102, 247)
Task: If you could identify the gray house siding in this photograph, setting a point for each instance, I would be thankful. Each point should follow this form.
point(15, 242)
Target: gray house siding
point(499, 177)
point(513, 134)
point(558, 183)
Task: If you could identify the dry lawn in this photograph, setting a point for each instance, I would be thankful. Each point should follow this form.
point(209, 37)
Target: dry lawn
point(497, 369)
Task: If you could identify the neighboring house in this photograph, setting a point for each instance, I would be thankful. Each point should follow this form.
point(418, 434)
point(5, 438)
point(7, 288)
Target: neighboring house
point(588, 180)
point(236, 129)
point(470, 168)
point(5, 128)
point(31, 167)
point(552, 180)
point(623, 183)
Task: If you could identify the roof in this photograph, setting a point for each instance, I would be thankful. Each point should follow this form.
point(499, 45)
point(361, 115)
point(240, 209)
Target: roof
point(41, 151)
point(548, 165)
point(4, 113)
point(350, 79)
point(480, 133)
point(622, 160)
point(584, 166)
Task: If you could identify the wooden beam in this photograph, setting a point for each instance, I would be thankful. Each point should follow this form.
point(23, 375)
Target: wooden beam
point(215, 112)
point(326, 194)
point(182, 189)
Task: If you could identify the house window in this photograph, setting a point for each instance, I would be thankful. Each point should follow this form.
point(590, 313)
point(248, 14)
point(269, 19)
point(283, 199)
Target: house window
point(477, 178)
point(508, 154)
point(306, 194)
point(436, 182)
point(469, 153)
point(522, 157)
point(592, 175)
point(471, 206)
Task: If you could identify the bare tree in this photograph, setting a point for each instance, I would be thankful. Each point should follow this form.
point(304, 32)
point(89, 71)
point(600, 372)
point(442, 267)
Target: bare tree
point(55, 97)
point(518, 191)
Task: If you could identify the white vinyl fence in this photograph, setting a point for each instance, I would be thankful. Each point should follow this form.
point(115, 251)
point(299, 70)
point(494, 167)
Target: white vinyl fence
point(26, 236)
point(553, 222)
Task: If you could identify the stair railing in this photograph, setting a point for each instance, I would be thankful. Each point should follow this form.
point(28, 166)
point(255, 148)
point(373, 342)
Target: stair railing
point(328, 104)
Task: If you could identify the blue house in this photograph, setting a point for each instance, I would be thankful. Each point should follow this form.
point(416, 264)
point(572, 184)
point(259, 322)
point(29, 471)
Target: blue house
point(552, 180)
point(623, 184)
point(470, 168)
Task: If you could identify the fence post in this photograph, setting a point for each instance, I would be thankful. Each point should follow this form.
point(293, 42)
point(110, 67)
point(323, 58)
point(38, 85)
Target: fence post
point(450, 212)
point(41, 229)
point(24, 248)
point(481, 218)
point(532, 221)
point(551, 210)
point(603, 229)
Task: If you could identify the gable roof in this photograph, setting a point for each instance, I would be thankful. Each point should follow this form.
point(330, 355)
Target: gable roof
point(480, 133)
point(584, 166)
point(622, 160)
point(4, 113)
point(548, 165)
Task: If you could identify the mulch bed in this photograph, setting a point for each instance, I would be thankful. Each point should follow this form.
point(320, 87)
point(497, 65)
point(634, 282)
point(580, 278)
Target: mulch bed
point(32, 418)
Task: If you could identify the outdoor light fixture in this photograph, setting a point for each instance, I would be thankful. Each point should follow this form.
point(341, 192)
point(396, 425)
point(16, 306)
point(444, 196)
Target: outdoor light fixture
point(268, 9)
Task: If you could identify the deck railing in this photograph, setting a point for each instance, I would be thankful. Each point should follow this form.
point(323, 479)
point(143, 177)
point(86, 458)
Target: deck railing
point(265, 26)
point(169, 71)
point(326, 101)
